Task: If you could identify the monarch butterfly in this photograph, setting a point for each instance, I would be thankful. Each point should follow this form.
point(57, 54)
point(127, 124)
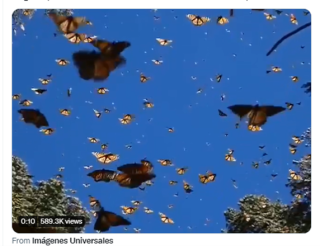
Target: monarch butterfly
point(44, 81)
point(62, 62)
point(269, 16)
point(297, 140)
point(106, 219)
point(128, 210)
point(89, 23)
point(93, 140)
point(38, 91)
point(136, 203)
point(164, 42)
point(170, 206)
point(187, 187)
point(137, 230)
point(294, 78)
point(112, 49)
point(89, 39)
point(69, 92)
point(47, 131)
point(75, 38)
point(26, 103)
point(276, 69)
point(173, 182)
point(143, 78)
point(182, 170)
point(198, 20)
point(294, 176)
point(102, 90)
point(102, 175)
point(307, 157)
point(97, 113)
point(86, 185)
point(147, 210)
point(67, 24)
point(222, 20)
point(255, 165)
point(165, 162)
point(257, 114)
point(211, 176)
point(147, 103)
point(127, 119)
point(149, 182)
point(203, 179)
point(218, 78)
point(105, 158)
point(59, 176)
point(133, 180)
point(107, 111)
point(292, 149)
point(298, 196)
point(229, 157)
point(293, 19)
point(253, 128)
point(222, 114)
point(268, 162)
point(94, 203)
point(61, 169)
point(104, 147)
point(16, 96)
point(65, 112)
point(170, 129)
point(157, 62)
point(34, 117)
point(145, 162)
point(165, 219)
point(136, 168)
point(27, 12)
point(289, 105)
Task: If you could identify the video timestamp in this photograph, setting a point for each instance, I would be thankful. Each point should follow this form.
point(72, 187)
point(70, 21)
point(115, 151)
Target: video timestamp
point(52, 221)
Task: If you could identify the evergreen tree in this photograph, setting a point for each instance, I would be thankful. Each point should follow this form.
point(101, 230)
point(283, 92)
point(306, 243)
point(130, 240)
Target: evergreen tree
point(45, 198)
point(257, 214)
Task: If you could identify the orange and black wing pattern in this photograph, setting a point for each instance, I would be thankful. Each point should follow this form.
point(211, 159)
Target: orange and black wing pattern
point(33, 116)
point(107, 219)
point(135, 168)
point(241, 110)
point(67, 24)
point(102, 175)
point(133, 180)
point(111, 49)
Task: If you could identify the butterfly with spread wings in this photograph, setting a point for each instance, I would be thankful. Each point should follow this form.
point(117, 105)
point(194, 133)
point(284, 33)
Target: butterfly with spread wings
point(257, 115)
point(67, 24)
point(136, 168)
point(98, 65)
point(133, 180)
point(106, 219)
point(33, 116)
point(102, 175)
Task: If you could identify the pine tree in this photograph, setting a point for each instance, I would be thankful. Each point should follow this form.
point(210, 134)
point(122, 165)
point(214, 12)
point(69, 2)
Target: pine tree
point(45, 198)
point(257, 214)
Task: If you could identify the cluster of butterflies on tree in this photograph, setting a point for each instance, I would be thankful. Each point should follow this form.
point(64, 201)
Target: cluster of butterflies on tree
point(96, 66)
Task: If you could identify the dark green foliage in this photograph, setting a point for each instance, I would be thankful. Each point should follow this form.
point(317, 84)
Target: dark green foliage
point(45, 198)
point(257, 214)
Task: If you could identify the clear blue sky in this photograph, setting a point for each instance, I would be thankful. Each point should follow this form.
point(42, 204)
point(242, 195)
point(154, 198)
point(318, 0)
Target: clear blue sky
point(202, 52)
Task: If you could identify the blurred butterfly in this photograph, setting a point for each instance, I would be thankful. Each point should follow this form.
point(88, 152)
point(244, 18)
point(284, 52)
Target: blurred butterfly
point(105, 158)
point(257, 114)
point(94, 203)
point(218, 78)
point(27, 12)
point(173, 182)
point(104, 147)
point(289, 105)
point(253, 128)
point(170, 129)
point(294, 78)
point(33, 116)
point(261, 147)
point(38, 91)
point(229, 157)
point(86, 185)
point(93, 140)
point(203, 179)
point(26, 103)
point(182, 170)
point(75, 38)
point(89, 39)
point(292, 149)
point(255, 165)
point(269, 16)
point(136, 203)
point(16, 96)
point(222, 20)
point(165, 162)
point(107, 111)
point(147, 210)
point(47, 131)
point(88, 167)
point(297, 140)
point(187, 187)
point(62, 62)
point(102, 175)
point(294, 176)
point(137, 230)
point(133, 180)
point(44, 81)
point(147, 103)
point(163, 42)
point(61, 169)
point(127, 119)
point(65, 112)
point(293, 19)
point(102, 90)
point(222, 114)
point(268, 162)
point(106, 219)
point(69, 92)
point(67, 24)
point(157, 62)
point(165, 219)
point(59, 176)
point(136, 168)
point(198, 20)
point(111, 49)
point(306, 13)
point(143, 78)
point(97, 113)
point(274, 69)
point(128, 210)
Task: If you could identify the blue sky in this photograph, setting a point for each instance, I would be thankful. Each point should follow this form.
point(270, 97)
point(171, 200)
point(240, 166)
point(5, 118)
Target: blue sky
point(198, 141)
